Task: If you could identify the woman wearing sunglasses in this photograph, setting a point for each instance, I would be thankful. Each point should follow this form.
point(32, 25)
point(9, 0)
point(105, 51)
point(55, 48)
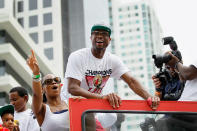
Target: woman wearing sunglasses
point(52, 114)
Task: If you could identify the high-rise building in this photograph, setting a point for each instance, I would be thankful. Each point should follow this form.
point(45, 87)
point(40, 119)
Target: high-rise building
point(136, 37)
point(15, 46)
point(56, 27)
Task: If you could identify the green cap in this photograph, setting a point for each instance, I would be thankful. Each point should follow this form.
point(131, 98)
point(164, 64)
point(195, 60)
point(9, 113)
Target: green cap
point(101, 27)
point(7, 108)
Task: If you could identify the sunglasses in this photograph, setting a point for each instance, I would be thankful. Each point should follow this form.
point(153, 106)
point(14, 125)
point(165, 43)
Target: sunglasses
point(50, 81)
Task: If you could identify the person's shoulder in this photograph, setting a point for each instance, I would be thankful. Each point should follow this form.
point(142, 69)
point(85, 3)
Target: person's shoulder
point(80, 52)
point(112, 56)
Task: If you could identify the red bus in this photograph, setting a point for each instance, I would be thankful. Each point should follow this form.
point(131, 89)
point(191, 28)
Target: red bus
point(78, 109)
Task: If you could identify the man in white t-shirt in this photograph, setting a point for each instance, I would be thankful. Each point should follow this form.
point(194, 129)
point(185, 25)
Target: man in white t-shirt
point(89, 69)
point(18, 98)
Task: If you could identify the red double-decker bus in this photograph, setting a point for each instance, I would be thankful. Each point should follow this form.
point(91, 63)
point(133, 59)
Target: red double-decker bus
point(137, 108)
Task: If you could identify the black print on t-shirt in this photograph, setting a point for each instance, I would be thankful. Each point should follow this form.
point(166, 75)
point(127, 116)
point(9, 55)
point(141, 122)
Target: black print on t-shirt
point(96, 80)
point(94, 73)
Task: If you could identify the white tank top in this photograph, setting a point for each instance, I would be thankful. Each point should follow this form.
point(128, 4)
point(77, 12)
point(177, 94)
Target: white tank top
point(55, 121)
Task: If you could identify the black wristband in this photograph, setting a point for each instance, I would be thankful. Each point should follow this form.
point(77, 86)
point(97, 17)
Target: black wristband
point(158, 89)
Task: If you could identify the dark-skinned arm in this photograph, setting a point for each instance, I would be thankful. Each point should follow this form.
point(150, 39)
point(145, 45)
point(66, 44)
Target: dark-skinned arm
point(37, 100)
point(138, 89)
point(74, 89)
point(187, 72)
point(135, 85)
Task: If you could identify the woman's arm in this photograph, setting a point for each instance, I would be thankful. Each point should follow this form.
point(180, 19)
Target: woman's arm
point(38, 106)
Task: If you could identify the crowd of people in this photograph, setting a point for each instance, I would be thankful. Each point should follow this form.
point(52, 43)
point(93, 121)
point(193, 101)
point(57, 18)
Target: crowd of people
point(87, 72)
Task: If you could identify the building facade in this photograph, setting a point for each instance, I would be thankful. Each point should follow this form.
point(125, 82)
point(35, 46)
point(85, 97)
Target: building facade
point(136, 37)
point(15, 46)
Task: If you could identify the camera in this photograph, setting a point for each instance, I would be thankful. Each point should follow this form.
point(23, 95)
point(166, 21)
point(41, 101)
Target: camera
point(159, 60)
point(164, 74)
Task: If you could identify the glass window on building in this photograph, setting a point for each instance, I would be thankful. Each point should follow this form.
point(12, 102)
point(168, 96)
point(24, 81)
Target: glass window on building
point(145, 22)
point(128, 8)
point(120, 16)
point(21, 21)
point(2, 36)
point(34, 37)
point(143, 6)
point(47, 3)
point(141, 67)
point(4, 98)
point(33, 21)
point(136, 14)
point(140, 59)
point(1, 3)
point(49, 53)
point(2, 68)
point(120, 9)
point(20, 6)
point(144, 14)
point(33, 4)
point(126, 94)
point(142, 75)
point(123, 54)
point(47, 18)
point(138, 36)
point(122, 31)
point(48, 35)
point(129, 127)
point(129, 15)
point(139, 44)
point(135, 7)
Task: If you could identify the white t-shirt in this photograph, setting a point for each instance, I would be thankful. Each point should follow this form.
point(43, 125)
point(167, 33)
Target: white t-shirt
point(106, 119)
point(190, 90)
point(91, 71)
point(26, 121)
point(58, 121)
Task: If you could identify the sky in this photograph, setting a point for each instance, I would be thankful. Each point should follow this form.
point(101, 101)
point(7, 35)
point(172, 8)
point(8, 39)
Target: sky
point(178, 18)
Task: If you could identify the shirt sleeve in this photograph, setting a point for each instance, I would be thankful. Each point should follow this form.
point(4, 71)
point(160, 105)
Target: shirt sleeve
point(119, 67)
point(74, 67)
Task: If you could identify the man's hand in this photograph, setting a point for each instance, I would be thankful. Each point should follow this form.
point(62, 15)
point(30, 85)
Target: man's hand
point(173, 60)
point(113, 99)
point(156, 82)
point(153, 102)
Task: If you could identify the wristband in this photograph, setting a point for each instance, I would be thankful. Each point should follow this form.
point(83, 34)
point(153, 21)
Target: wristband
point(37, 80)
point(36, 76)
point(159, 89)
point(149, 101)
point(157, 93)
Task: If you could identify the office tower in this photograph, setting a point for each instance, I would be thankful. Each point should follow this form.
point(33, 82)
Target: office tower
point(136, 35)
point(56, 27)
point(15, 46)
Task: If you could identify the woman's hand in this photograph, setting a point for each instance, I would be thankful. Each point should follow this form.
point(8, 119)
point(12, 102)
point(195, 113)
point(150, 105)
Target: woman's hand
point(33, 63)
